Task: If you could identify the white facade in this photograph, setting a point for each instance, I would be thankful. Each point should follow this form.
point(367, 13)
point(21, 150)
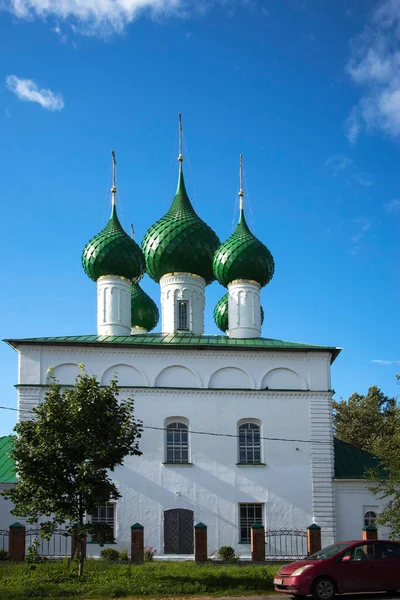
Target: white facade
point(182, 303)
point(213, 390)
point(113, 305)
point(244, 310)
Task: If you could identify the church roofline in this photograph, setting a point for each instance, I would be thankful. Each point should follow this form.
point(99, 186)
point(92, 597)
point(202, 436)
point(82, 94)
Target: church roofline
point(176, 340)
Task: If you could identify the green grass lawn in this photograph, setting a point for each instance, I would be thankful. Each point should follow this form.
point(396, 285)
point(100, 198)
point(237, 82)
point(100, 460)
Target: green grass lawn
point(151, 580)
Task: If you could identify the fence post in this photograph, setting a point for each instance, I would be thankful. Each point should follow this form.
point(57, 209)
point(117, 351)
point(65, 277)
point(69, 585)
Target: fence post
point(313, 539)
point(200, 543)
point(137, 543)
point(257, 540)
point(75, 545)
point(16, 542)
point(370, 533)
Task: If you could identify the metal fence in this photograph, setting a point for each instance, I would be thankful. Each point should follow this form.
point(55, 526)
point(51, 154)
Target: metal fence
point(4, 539)
point(58, 546)
point(285, 544)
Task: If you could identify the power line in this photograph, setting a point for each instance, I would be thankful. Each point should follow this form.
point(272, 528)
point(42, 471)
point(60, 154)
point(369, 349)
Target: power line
point(211, 433)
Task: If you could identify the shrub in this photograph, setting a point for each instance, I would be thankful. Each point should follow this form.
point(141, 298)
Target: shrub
point(149, 553)
point(3, 554)
point(109, 554)
point(33, 556)
point(227, 554)
point(123, 555)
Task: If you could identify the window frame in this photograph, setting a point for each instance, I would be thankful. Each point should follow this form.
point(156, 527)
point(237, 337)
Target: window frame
point(183, 447)
point(249, 447)
point(367, 519)
point(247, 538)
point(184, 303)
point(107, 505)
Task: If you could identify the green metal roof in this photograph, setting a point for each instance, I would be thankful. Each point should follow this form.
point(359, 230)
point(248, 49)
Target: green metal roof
point(161, 340)
point(353, 463)
point(144, 311)
point(7, 466)
point(113, 252)
point(243, 256)
point(180, 241)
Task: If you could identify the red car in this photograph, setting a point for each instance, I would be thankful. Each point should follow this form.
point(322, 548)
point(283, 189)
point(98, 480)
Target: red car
point(363, 566)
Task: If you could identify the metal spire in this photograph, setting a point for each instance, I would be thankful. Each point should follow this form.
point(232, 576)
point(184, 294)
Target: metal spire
point(114, 174)
point(241, 192)
point(180, 157)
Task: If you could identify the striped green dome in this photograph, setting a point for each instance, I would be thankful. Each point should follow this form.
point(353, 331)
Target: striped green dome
point(243, 256)
point(221, 314)
point(113, 252)
point(180, 242)
point(144, 311)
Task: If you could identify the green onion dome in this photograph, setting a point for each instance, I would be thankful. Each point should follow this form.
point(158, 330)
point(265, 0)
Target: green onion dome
point(113, 252)
point(221, 314)
point(180, 242)
point(144, 311)
point(243, 256)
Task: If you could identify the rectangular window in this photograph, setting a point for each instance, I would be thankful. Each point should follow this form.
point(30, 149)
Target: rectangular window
point(183, 321)
point(104, 515)
point(249, 514)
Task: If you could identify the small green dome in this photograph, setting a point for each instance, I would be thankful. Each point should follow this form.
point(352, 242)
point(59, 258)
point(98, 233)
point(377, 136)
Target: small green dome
point(180, 242)
point(113, 252)
point(144, 311)
point(221, 314)
point(243, 256)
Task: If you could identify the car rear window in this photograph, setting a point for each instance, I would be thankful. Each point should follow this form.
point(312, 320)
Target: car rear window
point(389, 550)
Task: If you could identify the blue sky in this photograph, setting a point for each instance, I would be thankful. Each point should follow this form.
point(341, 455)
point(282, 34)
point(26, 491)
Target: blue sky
point(308, 91)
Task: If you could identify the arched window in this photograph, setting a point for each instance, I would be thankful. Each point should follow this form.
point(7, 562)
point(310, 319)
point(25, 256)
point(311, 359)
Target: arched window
point(249, 446)
point(177, 441)
point(370, 518)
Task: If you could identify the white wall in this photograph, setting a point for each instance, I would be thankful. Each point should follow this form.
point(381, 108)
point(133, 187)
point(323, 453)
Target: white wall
point(353, 499)
point(6, 518)
point(224, 388)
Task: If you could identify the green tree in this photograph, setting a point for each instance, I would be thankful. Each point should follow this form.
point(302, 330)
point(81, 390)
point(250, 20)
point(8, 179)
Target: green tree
point(366, 421)
point(64, 456)
point(388, 487)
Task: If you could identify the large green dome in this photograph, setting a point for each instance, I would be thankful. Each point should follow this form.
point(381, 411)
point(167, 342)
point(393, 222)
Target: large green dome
point(180, 242)
point(221, 314)
point(113, 252)
point(144, 311)
point(243, 256)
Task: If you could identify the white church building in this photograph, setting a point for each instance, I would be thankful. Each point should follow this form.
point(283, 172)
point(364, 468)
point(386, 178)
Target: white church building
point(238, 427)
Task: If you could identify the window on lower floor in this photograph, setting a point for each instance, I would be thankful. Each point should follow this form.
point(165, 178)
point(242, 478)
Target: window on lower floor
point(177, 442)
point(249, 514)
point(104, 515)
point(249, 443)
point(370, 518)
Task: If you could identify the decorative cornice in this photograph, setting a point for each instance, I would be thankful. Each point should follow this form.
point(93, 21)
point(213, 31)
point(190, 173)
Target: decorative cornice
point(196, 353)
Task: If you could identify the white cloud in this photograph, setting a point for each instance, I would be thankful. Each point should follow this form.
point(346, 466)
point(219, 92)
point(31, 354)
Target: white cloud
point(338, 163)
point(365, 179)
point(102, 16)
point(27, 89)
point(374, 65)
point(352, 126)
point(393, 206)
point(386, 362)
